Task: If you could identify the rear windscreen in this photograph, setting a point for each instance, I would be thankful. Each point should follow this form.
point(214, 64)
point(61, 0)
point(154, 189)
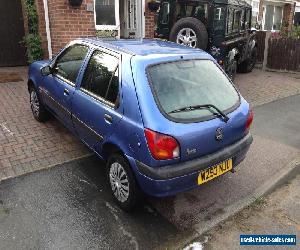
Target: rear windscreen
point(182, 84)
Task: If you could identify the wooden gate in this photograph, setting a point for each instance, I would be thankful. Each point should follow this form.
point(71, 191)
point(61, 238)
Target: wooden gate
point(260, 37)
point(284, 54)
point(12, 51)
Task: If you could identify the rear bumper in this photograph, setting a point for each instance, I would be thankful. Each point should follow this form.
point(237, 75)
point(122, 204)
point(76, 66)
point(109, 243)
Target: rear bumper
point(171, 179)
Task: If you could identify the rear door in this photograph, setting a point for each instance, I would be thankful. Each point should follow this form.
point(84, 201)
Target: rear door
point(59, 87)
point(96, 105)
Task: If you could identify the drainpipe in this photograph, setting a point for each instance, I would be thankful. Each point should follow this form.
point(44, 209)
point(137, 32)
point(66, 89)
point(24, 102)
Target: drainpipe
point(48, 28)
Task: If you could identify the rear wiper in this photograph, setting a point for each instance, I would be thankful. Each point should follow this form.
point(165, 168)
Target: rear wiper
point(202, 106)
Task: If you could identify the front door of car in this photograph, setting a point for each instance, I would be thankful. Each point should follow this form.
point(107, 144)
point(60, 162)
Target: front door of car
point(96, 105)
point(59, 87)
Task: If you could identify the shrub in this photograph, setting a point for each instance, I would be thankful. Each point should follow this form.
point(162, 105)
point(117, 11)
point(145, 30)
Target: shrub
point(32, 40)
point(34, 47)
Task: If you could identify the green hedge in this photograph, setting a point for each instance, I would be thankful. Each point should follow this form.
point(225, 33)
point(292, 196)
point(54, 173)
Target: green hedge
point(32, 40)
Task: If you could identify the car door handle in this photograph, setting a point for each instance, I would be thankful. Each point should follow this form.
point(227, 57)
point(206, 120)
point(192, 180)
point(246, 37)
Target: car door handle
point(66, 92)
point(108, 118)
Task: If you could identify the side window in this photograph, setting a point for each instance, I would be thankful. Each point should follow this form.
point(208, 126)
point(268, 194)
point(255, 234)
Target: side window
point(69, 62)
point(165, 13)
point(243, 20)
point(101, 76)
point(219, 18)
point(192, 9)
point(201, 12)
point(248, 19)
point(237, 20)
point(230, 13)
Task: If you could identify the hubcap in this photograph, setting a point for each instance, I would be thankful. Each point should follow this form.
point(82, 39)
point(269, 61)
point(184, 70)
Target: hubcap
point(119, 182)
point(187, 37)
point(34, 103)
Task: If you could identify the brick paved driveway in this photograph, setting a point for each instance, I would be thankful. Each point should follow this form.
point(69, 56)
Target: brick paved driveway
point(259, 87)
point(26, 145)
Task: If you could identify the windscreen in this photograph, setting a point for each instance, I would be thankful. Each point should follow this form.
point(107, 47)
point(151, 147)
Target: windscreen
point(190, 83)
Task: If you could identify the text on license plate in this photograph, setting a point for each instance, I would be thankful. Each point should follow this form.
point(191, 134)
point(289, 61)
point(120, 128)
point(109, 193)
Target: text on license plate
point(215, 171)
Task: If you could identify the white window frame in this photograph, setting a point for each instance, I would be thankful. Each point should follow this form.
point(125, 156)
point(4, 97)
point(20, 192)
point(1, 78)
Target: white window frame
point(264, 13)
point(109, 27)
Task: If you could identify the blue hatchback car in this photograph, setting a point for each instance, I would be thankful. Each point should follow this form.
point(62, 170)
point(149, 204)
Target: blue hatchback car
point(164, 117)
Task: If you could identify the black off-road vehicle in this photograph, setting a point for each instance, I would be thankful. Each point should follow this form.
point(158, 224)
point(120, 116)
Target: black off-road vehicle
point(221, 27)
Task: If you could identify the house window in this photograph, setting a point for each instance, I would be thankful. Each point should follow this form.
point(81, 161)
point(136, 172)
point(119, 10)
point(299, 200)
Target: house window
point(254, 17)
point(273, 17)
point(106, 14)
point(255, 5)
point(277, 18)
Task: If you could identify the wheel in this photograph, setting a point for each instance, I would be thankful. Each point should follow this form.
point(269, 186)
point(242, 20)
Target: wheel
point(191, 32)
point(248, 65)
point(232, 70)
point(122, 182)
point(38, 110)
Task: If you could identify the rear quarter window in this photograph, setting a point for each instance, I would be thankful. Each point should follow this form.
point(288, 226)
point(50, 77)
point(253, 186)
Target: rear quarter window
point(188, 83)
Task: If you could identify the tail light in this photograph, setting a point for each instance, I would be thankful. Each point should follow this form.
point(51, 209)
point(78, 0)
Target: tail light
point(161, 146)
point(249, 121)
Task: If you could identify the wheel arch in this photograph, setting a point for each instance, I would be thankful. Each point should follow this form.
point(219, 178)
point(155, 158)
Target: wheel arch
point(109, 148)
point(30, 84)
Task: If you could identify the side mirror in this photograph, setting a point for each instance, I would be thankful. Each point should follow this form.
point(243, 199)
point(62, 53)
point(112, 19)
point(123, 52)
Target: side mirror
point(47, 70)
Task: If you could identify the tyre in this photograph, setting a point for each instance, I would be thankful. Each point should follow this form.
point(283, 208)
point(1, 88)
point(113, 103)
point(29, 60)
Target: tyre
point(248, 65)
point(191, 32)
point(38, 110)
point(122, 182)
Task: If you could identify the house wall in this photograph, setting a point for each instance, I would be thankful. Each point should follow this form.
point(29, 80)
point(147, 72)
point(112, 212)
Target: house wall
point(149, 23)
point(42, 26)
point(68, 23)
point(288, 15)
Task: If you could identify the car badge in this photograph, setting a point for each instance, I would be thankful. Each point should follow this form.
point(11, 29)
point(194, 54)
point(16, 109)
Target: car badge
point(219, 134)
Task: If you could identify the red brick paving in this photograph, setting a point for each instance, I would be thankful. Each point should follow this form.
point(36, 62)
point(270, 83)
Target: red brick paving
point(27, 145)
point(260, 87)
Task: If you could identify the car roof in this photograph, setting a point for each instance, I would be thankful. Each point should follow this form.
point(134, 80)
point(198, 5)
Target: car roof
point(142, 47)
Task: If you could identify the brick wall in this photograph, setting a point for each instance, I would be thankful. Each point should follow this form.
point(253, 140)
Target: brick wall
point(68, 23)
point(288, 15)
point(149, 23)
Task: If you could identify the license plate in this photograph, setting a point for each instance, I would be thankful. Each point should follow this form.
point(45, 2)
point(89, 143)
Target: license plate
point(215, 171)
